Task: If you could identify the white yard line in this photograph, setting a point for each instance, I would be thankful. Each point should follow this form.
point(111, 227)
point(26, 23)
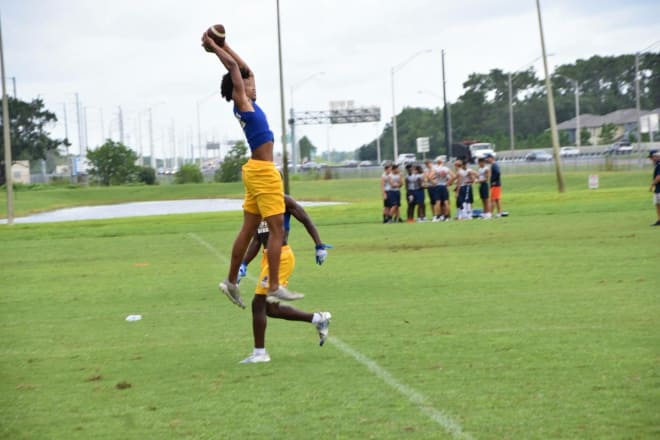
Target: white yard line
point(442, 419)
point(422, 403)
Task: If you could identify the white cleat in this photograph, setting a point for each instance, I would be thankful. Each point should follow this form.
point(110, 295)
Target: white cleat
point(285, 294)
point(232, 292)
point(322, 327)
point(256, 359)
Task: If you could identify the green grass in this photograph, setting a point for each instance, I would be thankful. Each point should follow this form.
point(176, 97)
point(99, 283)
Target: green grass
point(541, 325)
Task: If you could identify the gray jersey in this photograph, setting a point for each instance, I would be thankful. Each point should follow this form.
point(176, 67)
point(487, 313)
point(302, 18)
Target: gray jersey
point(395, 181)
point(466, 177)
point(412, 182)
point(386, 181)
point(442, 174)
point(483, 173)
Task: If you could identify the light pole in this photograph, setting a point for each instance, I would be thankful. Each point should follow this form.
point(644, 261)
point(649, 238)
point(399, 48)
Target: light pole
point(199, 125)
point(512, 139)
point(292, 121)
point(395, 69)
point(285, 160)
point(576, 84)
point(152, 160)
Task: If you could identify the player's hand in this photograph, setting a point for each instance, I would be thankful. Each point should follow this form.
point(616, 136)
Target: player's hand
point(321, 253)
point(242, 272)
point(207, 43)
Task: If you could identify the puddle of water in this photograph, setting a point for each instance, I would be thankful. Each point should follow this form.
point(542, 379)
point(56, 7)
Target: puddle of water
point(140, 209)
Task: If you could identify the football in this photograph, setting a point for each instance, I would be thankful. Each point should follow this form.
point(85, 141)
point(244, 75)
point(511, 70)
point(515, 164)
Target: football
point(217, 34)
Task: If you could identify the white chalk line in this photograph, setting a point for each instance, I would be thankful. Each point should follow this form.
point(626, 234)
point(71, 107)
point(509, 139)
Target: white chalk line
point(422, 403)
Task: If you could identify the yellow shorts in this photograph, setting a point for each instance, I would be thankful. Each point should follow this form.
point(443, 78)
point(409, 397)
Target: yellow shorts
point(264, 192)
point(287, 263)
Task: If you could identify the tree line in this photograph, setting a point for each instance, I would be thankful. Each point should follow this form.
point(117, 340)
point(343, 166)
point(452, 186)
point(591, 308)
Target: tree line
point(481, 112)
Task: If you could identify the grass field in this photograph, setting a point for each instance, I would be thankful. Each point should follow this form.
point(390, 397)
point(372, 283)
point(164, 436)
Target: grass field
point(540, 325)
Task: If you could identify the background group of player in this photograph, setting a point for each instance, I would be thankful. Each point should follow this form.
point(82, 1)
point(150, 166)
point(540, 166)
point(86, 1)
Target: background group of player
point(435, 179)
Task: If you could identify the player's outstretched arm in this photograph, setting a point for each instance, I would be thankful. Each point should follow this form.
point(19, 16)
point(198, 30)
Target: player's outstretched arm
point(241, 63)
point(233, 67)
point(301, 215)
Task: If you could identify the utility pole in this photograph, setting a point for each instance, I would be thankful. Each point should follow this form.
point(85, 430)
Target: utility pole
point(13, 80)
point(638, 106)
point(66, 136)
point(78, 120)
point(151, 140)
point(511, 139)
point(578, 137)
point(551, 107)
point(9, 184)
point(285, 160)
point(446, 110)
point(121, 124)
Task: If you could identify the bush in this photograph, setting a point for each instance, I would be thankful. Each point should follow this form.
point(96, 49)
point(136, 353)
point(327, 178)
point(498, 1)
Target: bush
point(146, 175)
point(230, 170)
point(189, 173)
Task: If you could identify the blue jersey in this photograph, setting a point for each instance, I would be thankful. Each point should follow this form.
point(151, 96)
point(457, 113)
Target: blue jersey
point(255, 126)
point(495, 175)
point(656, 173)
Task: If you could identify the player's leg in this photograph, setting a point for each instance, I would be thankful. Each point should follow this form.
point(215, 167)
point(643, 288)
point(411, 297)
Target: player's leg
point(321, 320)
point(229, 285)
point(259, 321)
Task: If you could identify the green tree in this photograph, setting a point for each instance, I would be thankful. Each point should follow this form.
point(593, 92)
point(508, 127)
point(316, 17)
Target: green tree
point(189, 173)
point(585, 137)
point(230, 170)
point(307, 149)
point(30, 140)
point(113, 163)
point(607, 132)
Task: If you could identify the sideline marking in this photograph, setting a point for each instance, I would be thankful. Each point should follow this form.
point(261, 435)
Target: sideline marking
point(449, 424)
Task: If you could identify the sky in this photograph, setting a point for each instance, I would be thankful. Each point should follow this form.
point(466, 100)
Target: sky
point(144, 57)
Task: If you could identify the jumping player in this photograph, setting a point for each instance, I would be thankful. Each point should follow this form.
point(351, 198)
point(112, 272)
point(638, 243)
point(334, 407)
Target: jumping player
point(264, 193)
point(263, 306)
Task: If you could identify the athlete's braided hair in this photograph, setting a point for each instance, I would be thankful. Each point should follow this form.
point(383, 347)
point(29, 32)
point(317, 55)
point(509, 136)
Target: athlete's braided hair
point(227, 86)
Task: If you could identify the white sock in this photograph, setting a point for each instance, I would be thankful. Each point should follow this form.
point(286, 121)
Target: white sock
point(259, 351)
point(316, 318)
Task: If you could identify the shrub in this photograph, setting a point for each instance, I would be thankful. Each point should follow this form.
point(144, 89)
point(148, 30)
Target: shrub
point(146, 175)
point(189, 173)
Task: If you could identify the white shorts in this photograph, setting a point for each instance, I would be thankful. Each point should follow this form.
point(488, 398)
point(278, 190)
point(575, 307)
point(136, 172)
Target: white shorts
point(656, 198)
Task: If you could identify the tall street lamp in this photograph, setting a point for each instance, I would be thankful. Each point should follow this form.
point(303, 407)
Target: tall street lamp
point(199, 126)
point(395, 69)
point(576, 84)
point(292, 121)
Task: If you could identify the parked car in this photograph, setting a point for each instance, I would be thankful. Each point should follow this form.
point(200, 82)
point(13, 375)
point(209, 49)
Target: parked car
point(538, 156)
point(365, 163)
point(621, 147)
point(311, 166)
point(569, 151)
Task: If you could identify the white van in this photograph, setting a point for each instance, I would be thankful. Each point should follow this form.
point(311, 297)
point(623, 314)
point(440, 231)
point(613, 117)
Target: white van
point(481, 149)
point(406, 158)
